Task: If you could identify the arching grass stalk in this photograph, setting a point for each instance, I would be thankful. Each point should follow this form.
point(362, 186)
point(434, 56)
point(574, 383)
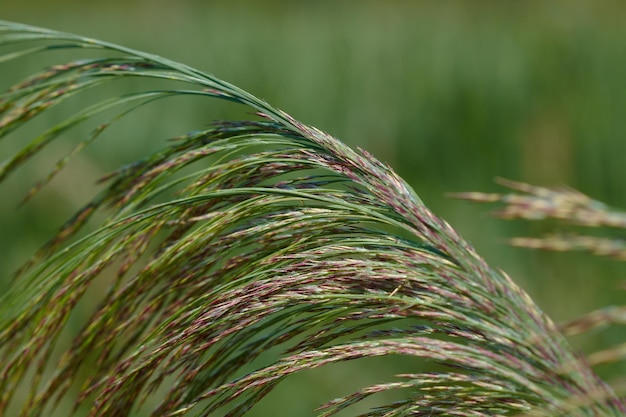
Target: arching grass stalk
point(284, 237)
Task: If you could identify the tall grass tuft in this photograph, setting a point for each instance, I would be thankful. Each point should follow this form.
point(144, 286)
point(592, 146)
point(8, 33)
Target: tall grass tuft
point(247, 237)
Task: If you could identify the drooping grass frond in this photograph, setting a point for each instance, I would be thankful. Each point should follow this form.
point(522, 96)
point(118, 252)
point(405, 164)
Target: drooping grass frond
point(251, 236)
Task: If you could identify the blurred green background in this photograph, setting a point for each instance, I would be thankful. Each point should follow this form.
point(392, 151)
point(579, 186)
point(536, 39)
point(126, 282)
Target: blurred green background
point(449, 93)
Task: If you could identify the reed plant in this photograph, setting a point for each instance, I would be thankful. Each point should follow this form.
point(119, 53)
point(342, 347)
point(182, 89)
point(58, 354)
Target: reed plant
point(255, 236)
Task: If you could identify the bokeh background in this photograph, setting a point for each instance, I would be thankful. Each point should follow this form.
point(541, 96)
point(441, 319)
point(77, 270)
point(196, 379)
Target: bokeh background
point(450, 93)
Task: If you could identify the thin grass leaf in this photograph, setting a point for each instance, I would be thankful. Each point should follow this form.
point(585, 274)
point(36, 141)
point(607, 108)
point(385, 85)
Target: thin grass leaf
point(252, 236)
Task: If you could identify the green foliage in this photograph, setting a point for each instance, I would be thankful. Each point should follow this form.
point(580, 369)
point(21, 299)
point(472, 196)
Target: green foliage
point(251, 236)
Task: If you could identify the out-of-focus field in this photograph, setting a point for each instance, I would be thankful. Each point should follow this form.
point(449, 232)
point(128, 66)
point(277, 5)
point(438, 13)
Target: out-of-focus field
point(451, 94)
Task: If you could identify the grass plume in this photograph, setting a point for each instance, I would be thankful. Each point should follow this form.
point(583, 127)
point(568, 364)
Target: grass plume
point(253, 235)
point(568, 206)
